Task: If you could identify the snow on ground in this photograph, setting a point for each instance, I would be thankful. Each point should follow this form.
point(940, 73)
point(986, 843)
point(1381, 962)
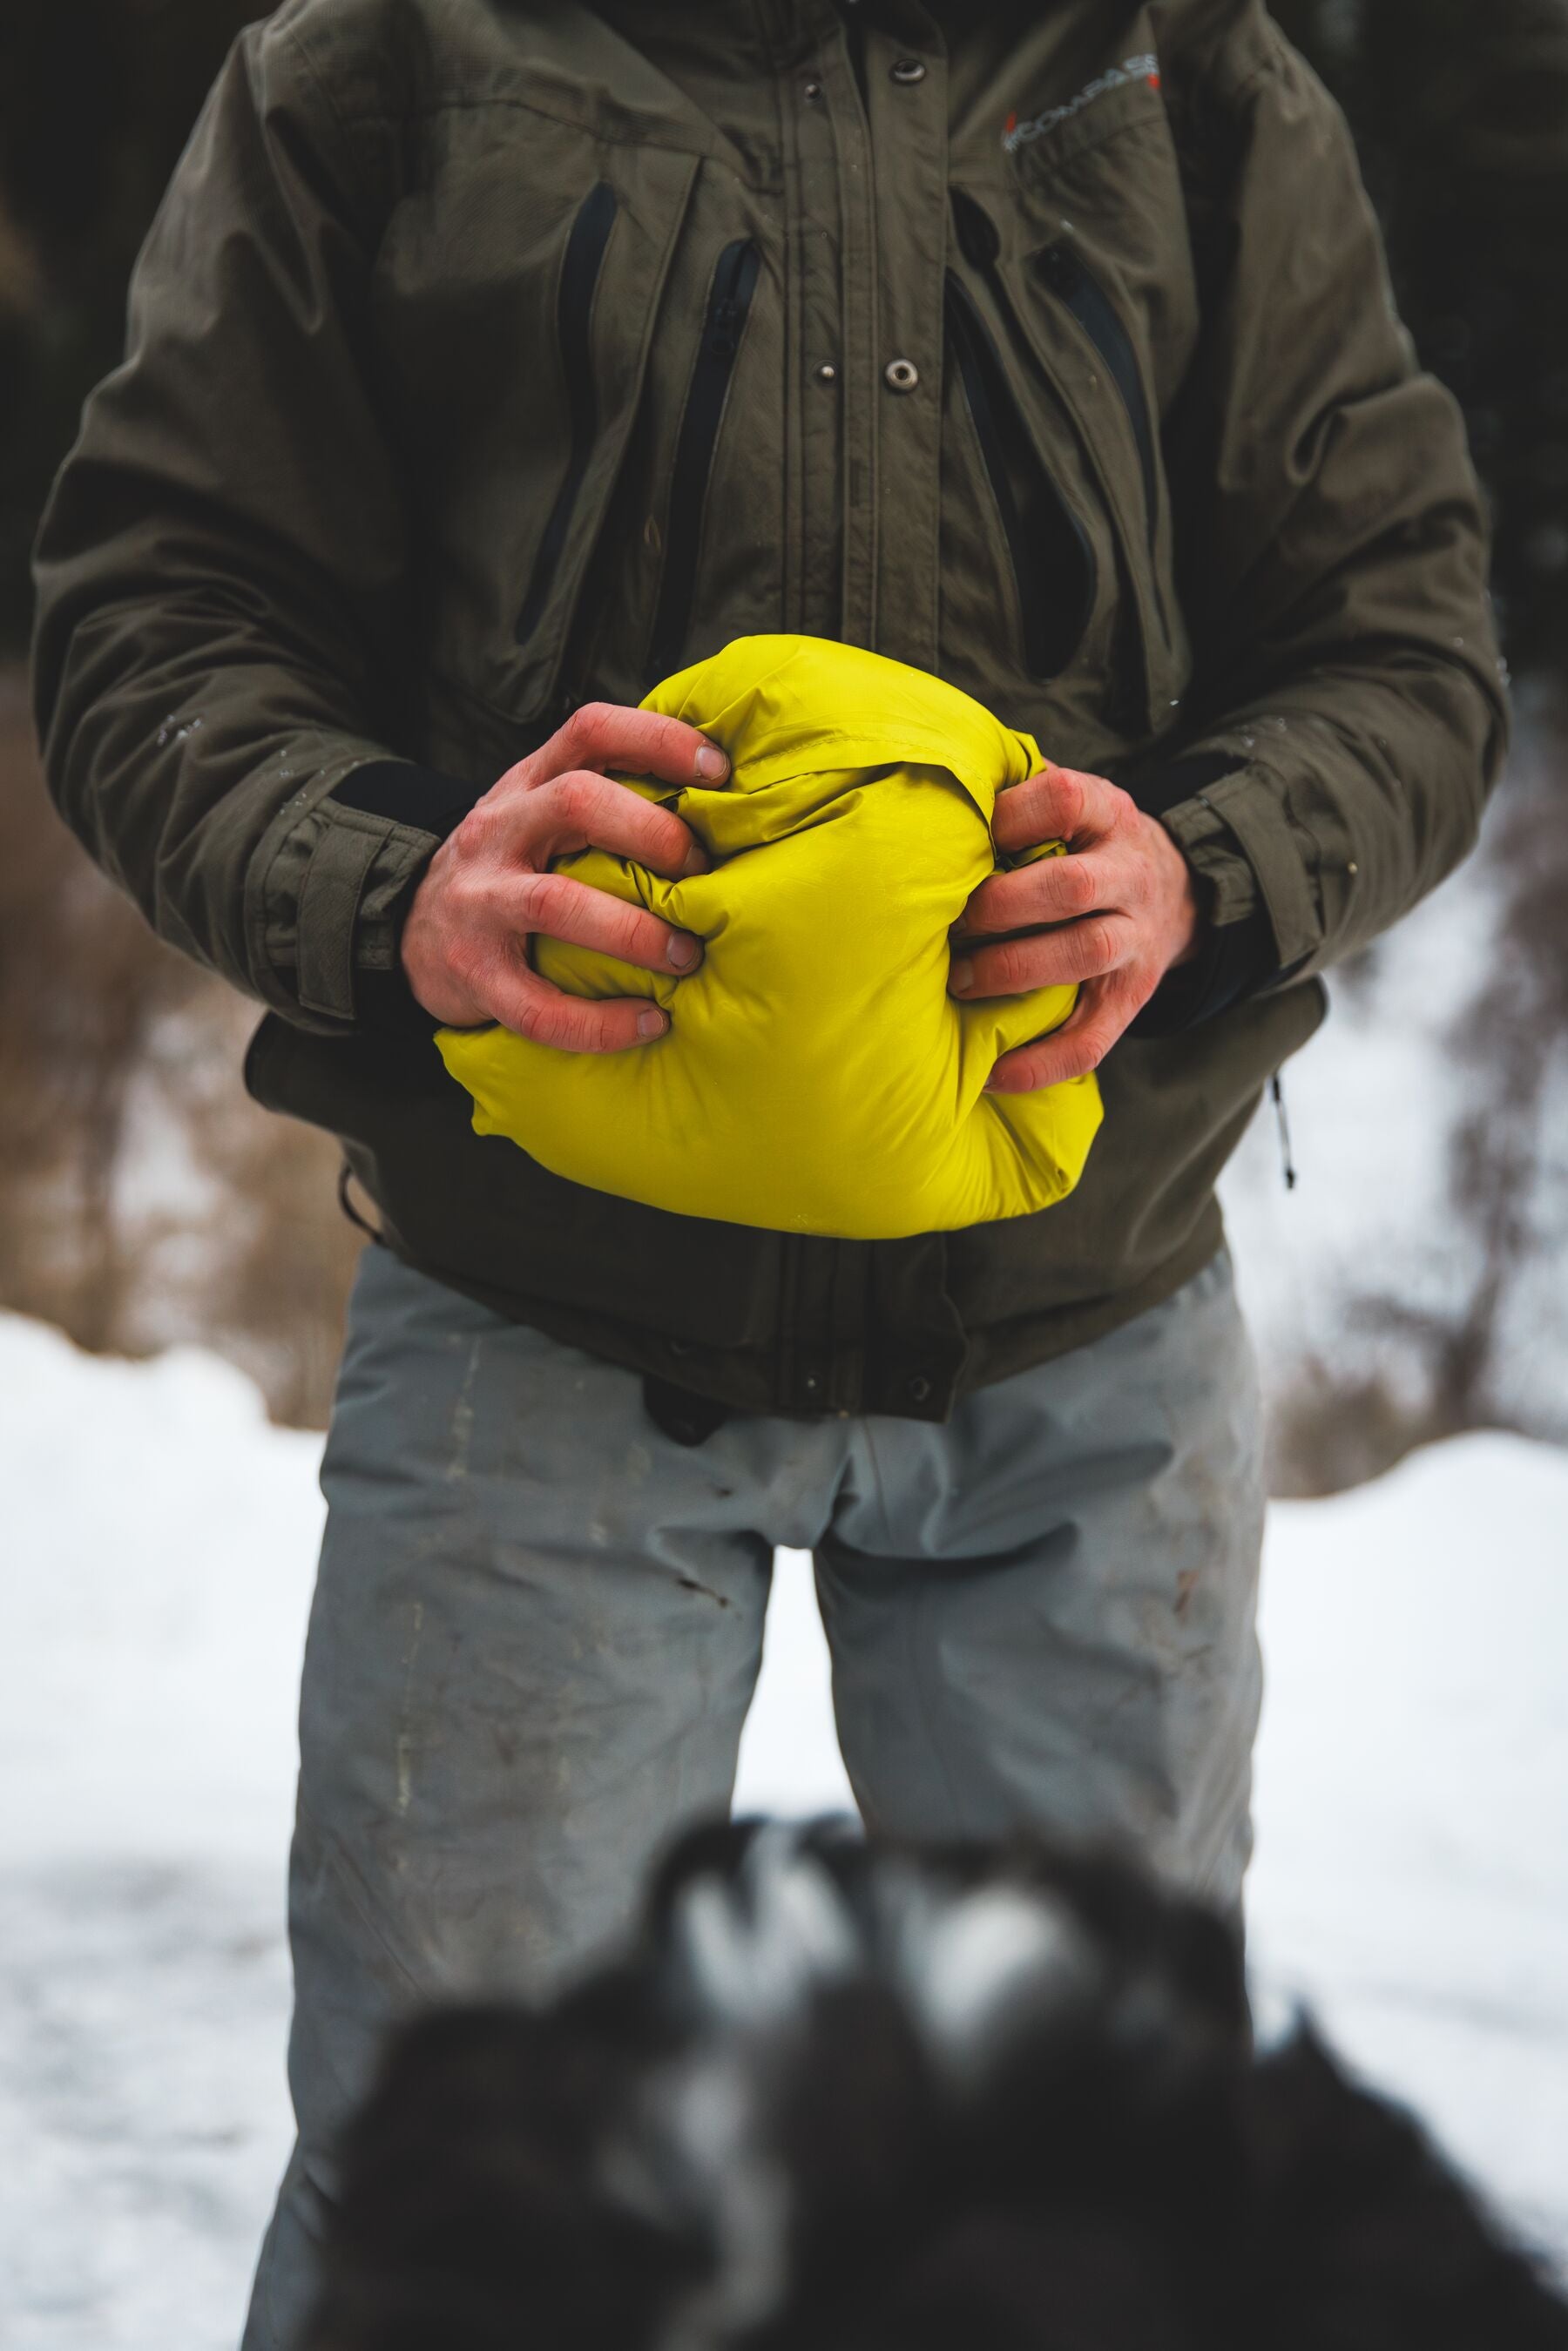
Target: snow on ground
point(1372, 1102)
point(1411, 1877)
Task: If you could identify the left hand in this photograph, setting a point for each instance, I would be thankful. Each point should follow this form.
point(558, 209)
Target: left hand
point(1122, 909)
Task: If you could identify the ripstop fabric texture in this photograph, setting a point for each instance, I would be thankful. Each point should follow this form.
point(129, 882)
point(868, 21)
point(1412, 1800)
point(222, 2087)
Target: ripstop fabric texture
point(816, 1077)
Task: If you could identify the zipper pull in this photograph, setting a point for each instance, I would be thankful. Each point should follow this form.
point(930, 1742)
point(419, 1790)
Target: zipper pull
point(1287, 1165)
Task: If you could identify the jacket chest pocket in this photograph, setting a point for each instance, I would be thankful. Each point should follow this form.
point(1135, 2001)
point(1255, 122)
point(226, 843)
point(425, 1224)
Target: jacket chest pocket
point(725, 314)
point(520, 321)
point(1061, 356)
point(1083, 252)
point(1094, 257)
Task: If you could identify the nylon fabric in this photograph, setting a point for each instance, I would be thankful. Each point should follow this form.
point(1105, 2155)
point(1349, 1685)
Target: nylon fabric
point(816, 1077)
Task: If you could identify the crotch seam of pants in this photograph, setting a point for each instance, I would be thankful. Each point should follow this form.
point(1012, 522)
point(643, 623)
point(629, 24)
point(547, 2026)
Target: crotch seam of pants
point(864, 1430)
point(347, 1872)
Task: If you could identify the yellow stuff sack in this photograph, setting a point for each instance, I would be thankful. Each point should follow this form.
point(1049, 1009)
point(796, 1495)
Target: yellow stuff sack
point(817, 1076)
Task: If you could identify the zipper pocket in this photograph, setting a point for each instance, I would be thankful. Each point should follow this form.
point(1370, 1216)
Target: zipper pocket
point(1070, 278)
point(729, 302)
point(581, 265)
point(1046, 542)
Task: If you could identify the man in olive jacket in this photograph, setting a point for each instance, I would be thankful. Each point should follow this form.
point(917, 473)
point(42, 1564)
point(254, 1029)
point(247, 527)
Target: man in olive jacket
point(487, 362)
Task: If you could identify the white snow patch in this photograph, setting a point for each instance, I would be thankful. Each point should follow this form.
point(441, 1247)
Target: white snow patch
point(1411, 1880)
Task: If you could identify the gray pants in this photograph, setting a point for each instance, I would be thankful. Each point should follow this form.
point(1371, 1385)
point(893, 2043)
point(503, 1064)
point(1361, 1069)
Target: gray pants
point(539, 1623)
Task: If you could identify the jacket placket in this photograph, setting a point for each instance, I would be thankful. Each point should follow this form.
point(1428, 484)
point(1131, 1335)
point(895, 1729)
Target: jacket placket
point(888, 154)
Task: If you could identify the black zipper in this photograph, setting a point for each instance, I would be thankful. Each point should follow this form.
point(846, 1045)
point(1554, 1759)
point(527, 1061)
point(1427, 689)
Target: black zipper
point(1071, 279)
point(583, 259)
point(729, 301)
point(1047, 544)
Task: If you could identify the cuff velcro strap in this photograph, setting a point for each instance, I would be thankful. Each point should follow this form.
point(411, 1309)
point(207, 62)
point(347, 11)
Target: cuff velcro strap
point(329, 905)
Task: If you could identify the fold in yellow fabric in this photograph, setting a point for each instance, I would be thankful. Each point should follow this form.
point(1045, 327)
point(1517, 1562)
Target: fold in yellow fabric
point(817, 1076)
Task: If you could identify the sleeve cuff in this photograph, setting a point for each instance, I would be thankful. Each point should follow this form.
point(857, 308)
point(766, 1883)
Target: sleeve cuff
point(418, 800)
point(422, 798)
point(1233, 962)
point(1238, 955)
point(330, 887)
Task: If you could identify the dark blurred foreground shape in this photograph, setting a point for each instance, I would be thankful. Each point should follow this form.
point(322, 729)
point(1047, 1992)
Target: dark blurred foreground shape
point(145, 1201)
point(845, 2098)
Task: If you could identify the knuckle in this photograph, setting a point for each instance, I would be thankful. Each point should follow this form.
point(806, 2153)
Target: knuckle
point(634, 936)
point(1077, 885)
point(587, 1029)
point(533, 896)
point(1100, 945)
point(1011, 967)
point(1067, 800)
point(537, 1016)
point(478, 837)
point(586, 730)
point(671, 735)
point(544, 1025)
point(576, 796)
point(520, 1013)
point(524, 775)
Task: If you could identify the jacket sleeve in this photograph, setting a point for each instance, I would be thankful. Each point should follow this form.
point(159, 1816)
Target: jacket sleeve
point(1347, 714)
point(222, 572)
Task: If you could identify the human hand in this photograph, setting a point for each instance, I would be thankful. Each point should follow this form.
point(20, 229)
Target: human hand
point(489, 889)
point(1122, 907)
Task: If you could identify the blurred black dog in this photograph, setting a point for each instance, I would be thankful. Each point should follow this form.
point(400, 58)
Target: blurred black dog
point(845, 2098)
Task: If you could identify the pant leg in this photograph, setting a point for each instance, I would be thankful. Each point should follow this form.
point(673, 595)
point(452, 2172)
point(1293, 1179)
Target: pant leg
point(533, 1638)
point(1043, 1614)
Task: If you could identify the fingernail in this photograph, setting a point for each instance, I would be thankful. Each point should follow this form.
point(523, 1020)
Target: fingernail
point(962, 977)
point(684, 952)
point(652, 1023)
point(711, 761)
point(697, 862)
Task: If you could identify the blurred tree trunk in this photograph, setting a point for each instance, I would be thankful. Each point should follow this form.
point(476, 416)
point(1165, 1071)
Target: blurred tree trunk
point(143, 1198)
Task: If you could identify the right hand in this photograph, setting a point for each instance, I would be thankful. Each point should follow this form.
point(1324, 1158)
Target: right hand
point(489, 889)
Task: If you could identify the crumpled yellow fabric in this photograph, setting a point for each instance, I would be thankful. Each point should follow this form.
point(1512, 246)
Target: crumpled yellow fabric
point(816, 1077)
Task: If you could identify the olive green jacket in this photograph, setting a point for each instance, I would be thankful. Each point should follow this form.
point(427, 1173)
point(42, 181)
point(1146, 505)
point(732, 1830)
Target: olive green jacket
point(484, 359)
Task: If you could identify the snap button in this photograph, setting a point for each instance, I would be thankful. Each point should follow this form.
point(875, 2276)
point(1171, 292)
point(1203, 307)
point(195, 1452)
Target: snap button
point(901, 375)
point(813, 93)
point(907, 70)
point(1058, 268)
point(919, 1388)
point(826, 373)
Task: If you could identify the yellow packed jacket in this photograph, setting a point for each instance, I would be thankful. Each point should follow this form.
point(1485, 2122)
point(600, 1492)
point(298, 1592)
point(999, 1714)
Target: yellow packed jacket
point(817, 1076)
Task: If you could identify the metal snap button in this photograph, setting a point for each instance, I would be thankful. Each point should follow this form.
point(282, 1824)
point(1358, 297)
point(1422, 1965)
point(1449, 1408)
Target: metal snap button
point(907, 70)
point(919, 1388)
point(811, 92)
point(901, 375)
point(826, 373)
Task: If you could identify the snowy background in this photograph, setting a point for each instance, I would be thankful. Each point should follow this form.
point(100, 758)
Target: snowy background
point(157, 1534)
point(1412, 1875)
point(1411, 1880)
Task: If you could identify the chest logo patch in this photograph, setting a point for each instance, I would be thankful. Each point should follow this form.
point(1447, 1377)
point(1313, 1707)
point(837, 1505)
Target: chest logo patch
point(1146, 68)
